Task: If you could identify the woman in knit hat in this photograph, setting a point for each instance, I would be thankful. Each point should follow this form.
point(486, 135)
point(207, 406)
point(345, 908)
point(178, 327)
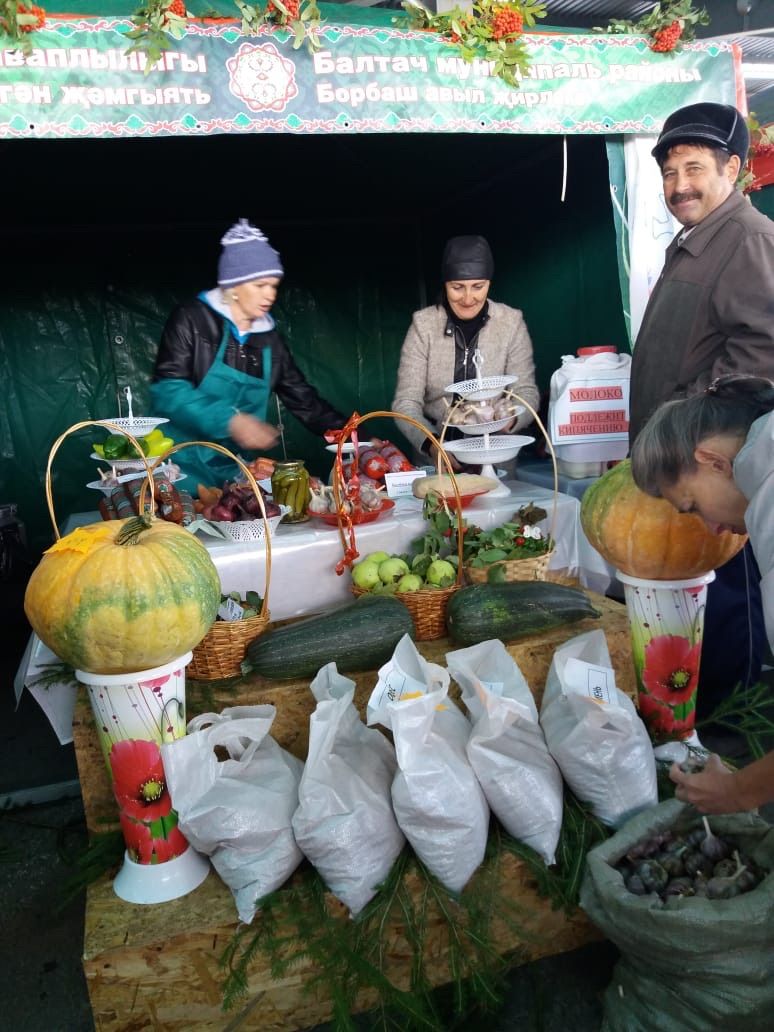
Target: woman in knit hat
point(442, 340)
point(221, 358)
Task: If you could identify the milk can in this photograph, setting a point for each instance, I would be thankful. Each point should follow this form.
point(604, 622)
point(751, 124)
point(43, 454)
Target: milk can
point(589, 410)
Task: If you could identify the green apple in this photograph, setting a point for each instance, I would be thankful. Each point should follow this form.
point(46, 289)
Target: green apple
point(440, 573)
point(409, 582)
point(391, 570)
point(365, 575)
point(375, 557)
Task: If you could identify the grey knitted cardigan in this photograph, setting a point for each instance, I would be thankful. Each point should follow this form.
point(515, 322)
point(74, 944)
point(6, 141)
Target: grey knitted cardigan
point(427, 365)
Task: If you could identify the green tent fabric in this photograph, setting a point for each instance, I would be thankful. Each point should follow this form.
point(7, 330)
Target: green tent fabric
point(132, 227)
point(103, 237)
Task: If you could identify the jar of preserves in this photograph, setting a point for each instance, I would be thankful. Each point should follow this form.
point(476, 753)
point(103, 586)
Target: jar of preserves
point(290, 486)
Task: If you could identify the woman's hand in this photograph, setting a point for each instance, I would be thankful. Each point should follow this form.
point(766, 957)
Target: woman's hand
point(712, 790)
point(249, 432)
point(441, 465)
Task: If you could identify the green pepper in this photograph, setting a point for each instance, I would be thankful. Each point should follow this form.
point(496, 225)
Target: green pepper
point(115, 446)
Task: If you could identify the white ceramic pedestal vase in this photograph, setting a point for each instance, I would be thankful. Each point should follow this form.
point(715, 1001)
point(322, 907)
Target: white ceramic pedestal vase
point(135, 713)
point(666, 619)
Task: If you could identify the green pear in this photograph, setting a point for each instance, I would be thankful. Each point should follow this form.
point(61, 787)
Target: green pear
point(409, 582)
point(365, 575)
point(375, 557)
point(391, 570)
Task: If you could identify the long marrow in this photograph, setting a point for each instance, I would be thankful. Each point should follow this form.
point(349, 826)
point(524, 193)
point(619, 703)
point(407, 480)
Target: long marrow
point(514, 610)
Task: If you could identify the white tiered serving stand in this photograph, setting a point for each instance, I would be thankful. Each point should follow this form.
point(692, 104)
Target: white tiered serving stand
point(481, 447)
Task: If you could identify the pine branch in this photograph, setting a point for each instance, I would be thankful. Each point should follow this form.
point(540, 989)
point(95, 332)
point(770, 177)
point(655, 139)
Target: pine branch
point(748, 711)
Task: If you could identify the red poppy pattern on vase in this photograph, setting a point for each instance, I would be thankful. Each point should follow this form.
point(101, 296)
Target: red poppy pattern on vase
point(666, 622)
point(133, 719)
point(147, 819)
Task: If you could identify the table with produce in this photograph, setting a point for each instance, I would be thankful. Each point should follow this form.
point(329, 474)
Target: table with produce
point(450, 758)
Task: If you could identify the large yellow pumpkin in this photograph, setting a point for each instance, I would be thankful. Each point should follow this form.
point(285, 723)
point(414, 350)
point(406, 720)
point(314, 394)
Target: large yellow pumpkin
point(647, 537)
point(123, 595)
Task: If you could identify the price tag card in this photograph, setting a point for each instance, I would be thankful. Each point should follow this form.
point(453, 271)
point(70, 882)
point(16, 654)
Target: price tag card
point(399, 484)
point(230, 610)
point(593, 682)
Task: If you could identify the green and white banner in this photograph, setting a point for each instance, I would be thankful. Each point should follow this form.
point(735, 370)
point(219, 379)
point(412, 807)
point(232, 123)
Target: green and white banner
point(78, 81)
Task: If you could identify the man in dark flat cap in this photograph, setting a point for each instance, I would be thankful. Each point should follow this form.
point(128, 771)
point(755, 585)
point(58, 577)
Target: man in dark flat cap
point(712, 309)
point(710, 313)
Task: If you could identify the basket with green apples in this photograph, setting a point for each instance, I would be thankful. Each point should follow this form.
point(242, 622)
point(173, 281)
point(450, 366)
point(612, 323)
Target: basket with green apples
point(424, 579)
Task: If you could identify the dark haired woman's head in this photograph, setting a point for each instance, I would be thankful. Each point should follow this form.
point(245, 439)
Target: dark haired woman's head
point(666, 446)
point(467, 268)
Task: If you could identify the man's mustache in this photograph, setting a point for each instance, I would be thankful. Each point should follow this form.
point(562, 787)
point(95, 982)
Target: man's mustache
point(678, 198)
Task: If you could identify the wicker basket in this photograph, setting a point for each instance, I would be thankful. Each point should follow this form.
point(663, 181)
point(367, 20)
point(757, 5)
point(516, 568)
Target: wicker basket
point(219, 655)
point(532, 568)
point(427, 607)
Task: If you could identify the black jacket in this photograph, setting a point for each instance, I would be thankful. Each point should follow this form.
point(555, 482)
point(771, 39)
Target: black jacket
point(191, 339)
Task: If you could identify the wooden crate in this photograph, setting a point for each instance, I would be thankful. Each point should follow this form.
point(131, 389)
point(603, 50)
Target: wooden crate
point(156, 967)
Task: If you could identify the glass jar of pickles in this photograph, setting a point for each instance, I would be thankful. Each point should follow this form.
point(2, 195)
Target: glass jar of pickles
point(290, 486)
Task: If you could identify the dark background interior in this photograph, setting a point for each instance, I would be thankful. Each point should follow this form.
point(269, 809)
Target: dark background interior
point(94, 265)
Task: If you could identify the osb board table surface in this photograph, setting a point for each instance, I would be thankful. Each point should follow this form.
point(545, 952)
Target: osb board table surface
point(295, 703)
point(158, 967)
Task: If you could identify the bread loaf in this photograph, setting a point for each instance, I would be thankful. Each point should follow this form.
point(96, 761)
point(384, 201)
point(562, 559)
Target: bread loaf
point(467, 483)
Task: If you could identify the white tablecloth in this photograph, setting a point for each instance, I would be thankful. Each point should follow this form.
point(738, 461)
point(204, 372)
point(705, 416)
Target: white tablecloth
point(303, 578)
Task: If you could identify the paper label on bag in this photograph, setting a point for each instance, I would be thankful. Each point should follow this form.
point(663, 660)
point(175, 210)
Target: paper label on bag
point(590, 681)
point(230, 610)
point(399, 484)
point(395, 685)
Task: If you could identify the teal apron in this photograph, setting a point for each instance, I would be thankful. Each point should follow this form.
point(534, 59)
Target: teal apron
point(247, 394)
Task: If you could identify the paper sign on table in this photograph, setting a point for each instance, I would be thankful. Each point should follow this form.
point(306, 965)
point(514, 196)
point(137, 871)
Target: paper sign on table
point(399, 484)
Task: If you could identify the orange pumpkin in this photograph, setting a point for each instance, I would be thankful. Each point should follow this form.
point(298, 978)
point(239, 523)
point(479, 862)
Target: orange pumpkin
point(647, 537)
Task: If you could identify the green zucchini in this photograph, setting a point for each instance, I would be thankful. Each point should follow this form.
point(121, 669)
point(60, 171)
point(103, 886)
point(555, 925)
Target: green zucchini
point(514, 610)
point(359, 636)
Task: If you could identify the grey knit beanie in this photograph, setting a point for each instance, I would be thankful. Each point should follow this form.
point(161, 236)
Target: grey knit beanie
point(246, 255)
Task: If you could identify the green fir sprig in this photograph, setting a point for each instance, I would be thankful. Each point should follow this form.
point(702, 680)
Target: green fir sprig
point(300, 923)
point(748, 712)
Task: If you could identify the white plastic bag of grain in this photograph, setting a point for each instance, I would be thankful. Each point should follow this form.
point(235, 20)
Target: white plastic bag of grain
point(344, 823)
point(507, 748)
point(237, 810)
point(594, 732)
point(437, 798)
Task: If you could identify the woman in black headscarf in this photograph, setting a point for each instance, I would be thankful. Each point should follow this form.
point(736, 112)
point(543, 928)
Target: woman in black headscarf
point(442, 340)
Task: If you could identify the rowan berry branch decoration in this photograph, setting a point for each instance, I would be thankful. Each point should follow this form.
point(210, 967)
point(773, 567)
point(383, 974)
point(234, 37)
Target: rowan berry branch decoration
point(668, 25)
point(761, 145)
point(156, 24)
point(18, 20)
point(490, 30)
point(301, 17)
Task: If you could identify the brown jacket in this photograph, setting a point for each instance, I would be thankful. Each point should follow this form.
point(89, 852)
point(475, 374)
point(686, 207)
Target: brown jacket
point(711, 311)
